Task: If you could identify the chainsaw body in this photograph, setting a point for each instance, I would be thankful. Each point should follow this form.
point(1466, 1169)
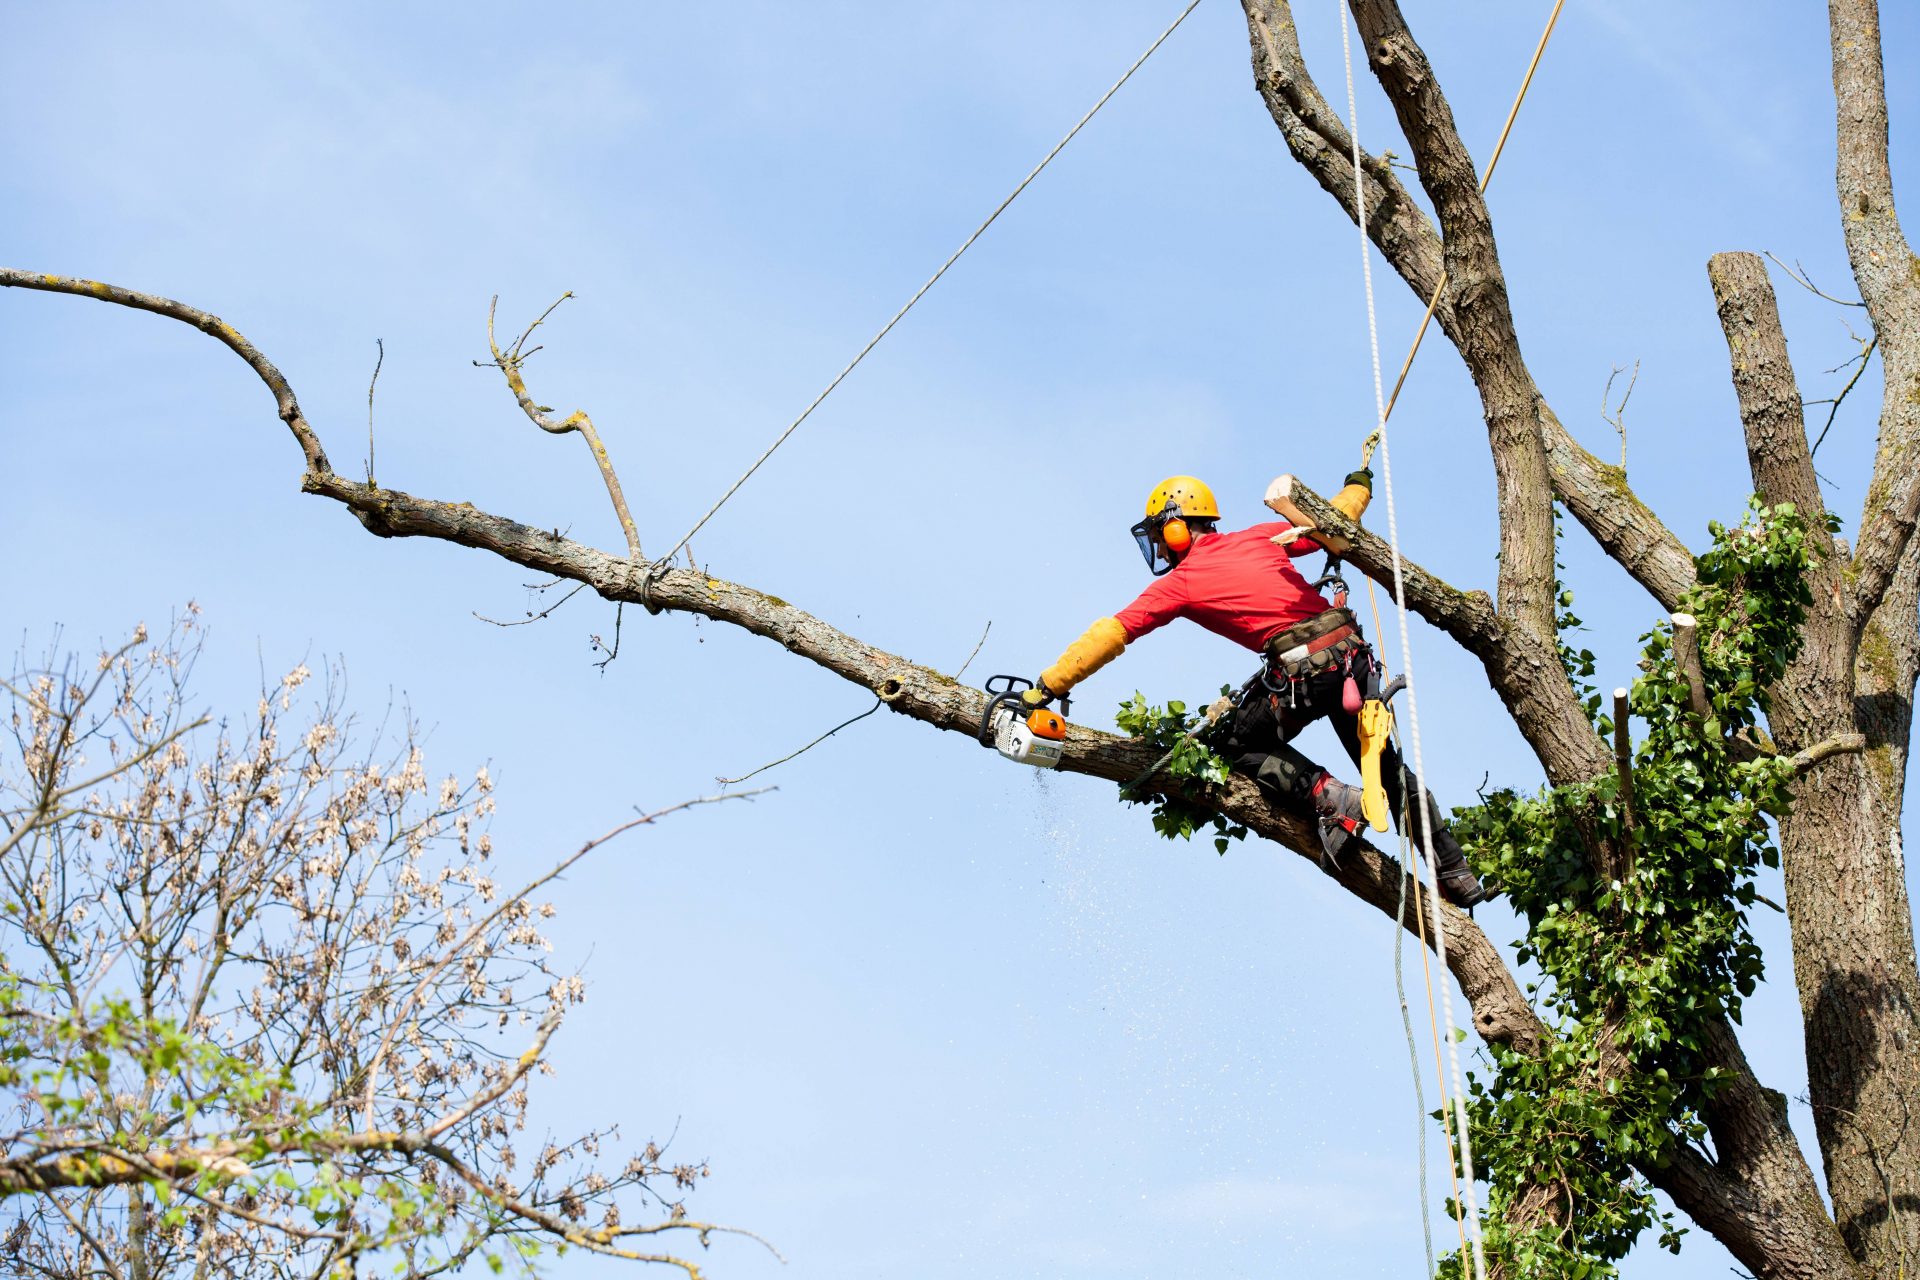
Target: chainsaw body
point(1032, 736)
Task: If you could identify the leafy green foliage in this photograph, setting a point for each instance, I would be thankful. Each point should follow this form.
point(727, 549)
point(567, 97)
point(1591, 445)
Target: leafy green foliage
point(1188, 760)
point(1637, 967)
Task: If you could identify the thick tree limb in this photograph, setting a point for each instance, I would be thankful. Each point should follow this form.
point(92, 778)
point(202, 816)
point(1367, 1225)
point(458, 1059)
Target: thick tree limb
point(1594, 492)
point(1500, 1010)
point(1758, 1197)
point(1467, 616)
point(1523, 670)
point(1319, 140)
point(1888, 275)
point(1770, 412)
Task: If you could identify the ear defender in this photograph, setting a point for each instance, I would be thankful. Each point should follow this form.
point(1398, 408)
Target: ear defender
point(1176, 535)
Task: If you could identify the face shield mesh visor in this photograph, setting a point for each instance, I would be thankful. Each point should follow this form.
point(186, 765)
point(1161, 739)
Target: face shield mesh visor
point(1144, 535)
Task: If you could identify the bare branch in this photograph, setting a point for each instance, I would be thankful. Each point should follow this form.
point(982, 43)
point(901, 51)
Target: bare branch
point(1616, 415)
point(1840, 744)
point(1798, 274)
point(1860, 361)
point(976, 650)
point(728, 782)
point(226, 334)
point(1467, 616)
point(1770, 417)
point(535, 617)
point(1884, 270)
point(509, 363)
point(373, 382)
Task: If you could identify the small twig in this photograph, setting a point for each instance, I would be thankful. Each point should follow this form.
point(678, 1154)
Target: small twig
point(1618, 415)
point(1801, 278)
point(479, 928)
point(976, 651)
point(728, 782)
point(534, 617)
point(1392, 160)
point(373, 382)
point(1840, 744)
point(618, 608)
point(1864, 358)
point(509, 363)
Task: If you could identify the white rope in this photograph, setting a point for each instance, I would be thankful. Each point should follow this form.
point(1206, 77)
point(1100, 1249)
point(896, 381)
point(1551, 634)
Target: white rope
point(660, 565)
point(1469, 1194)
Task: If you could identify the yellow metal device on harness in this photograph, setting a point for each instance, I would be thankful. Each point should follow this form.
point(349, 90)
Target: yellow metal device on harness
point(1332, 641)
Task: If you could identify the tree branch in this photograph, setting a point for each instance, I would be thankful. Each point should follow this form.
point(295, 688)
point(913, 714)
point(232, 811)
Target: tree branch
point(1840, 744)
point(1594, 492)
point(1501, 1013)
point(1770, 410)
point(1686, 656)
point(1888, 276)
point(1523, 668)
point(284, 401)
point(1467, 616)
point(509, 363)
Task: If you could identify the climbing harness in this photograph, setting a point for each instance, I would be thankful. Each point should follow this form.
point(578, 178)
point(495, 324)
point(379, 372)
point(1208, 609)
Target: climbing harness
point(1466, 1194)
point(660, 566)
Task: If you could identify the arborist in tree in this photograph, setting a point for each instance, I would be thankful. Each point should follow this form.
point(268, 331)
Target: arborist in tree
point(1243, 585)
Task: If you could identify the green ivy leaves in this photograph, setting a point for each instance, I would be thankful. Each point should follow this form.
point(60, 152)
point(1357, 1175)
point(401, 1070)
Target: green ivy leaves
point(1635, 967)
point(1188, 760)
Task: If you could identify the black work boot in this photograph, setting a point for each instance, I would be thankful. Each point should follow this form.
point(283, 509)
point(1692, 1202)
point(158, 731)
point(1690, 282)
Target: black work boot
point(1339, 809)
point(1457, 882)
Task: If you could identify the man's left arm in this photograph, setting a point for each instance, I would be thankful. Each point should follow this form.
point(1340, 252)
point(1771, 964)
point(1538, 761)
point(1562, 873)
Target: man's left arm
point(1350, 502)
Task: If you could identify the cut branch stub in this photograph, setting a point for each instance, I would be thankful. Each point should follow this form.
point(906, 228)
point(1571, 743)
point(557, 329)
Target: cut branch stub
point(1686, 656)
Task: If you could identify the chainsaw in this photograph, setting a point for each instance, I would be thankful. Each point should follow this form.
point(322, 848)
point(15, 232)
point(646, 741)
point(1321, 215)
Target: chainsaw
point(1034, 737)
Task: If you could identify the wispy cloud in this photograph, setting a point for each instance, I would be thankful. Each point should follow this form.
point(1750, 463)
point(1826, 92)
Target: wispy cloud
point(1726, 112)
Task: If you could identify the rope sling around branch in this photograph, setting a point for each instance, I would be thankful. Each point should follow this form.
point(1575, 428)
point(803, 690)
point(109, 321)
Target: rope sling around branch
point(661, 565)
point(1384, 409)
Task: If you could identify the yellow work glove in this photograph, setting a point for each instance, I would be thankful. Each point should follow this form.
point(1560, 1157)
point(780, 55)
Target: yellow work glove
point(1038, 696)
point(1353, 498)
point(1376, 727)
point(1101, 644)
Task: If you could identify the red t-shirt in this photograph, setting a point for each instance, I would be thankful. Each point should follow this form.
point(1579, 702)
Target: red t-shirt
point(1239, 585)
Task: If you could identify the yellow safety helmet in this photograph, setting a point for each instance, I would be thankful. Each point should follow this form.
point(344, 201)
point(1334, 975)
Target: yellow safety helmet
point(1173, 502)
point(1189, 493)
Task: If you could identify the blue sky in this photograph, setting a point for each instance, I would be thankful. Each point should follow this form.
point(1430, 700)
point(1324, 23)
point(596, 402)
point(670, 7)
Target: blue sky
point(923, 1011)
